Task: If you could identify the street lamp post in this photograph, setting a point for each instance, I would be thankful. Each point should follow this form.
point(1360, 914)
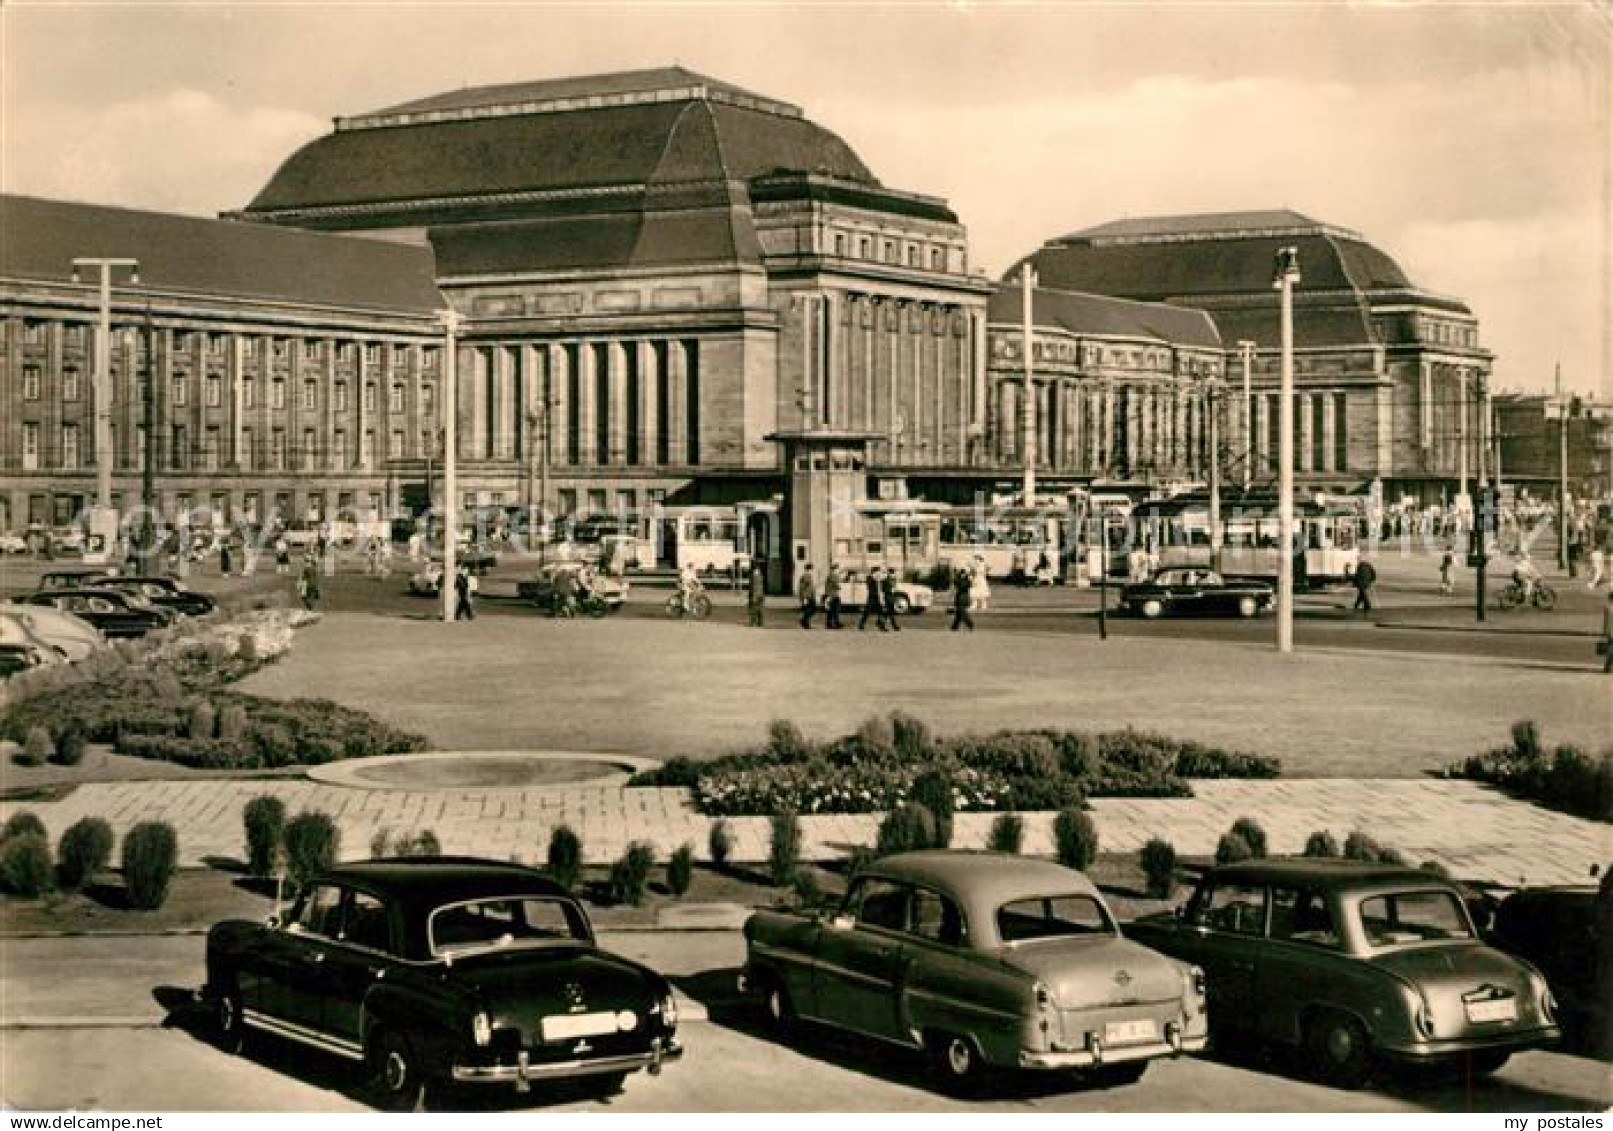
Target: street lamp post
point(1287, 274)
point(1212, 403)
point(103, 370)
point(1247, 348)
point(450, 463)
point(1027, 282)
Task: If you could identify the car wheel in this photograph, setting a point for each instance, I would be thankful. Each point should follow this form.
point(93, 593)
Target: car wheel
point(901, 606)
point(229, 1023)
point(1545, 598)
point(956, 1061)
point(1152, 608)
point(1248, 607)
point(1340, 1049)
point(397, 1082)
point(1119, 1075)
point(780, 1009)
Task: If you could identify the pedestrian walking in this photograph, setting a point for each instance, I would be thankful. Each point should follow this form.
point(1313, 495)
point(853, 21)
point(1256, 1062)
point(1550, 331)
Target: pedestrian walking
point(282, 555)
point(874, 602)
point(806, 592)
point(464, 595)
point(1576, 548)
point(756, 596)
point(224, 561)
point(1364, 578)
point(831, 598)
point(962, 599)
point(308, 582)
point(1447, 572)
point(979, 587)
point(887, 598)
point(414, 546)
point(1598, 566)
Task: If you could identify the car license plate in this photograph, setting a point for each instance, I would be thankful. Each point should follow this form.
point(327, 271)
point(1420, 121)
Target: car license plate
point(564, 1028)
point(1130, 1032)
point(1495, 1009)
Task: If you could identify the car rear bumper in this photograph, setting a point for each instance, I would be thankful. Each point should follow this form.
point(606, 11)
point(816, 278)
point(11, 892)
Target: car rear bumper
point(524, 1071)
point(1424, 1051)
point(1092, 1057)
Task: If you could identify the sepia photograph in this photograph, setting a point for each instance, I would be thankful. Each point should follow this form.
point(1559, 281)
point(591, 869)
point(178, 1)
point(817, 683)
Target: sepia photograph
point(913, 557)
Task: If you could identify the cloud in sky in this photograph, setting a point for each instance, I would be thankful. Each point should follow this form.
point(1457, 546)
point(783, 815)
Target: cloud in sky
point(1471, 142)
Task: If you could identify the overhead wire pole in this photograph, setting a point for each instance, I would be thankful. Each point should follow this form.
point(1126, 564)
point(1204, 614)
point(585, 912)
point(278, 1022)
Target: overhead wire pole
point(1213, 404)
point(103, 370)
point(1027, 282)
point(1248, 350)
point(1562, 472)
point(1287, 272)
point(450, 463)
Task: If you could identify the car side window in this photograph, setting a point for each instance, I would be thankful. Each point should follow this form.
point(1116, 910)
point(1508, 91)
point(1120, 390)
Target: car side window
point(1302, 916)
point(936, 918)
point(320, 911)
point(879, 903)
point(365, 923)
point(1239, 909)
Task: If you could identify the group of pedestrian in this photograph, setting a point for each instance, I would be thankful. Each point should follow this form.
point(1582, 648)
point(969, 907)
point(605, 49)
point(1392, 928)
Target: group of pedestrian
point(879, 600)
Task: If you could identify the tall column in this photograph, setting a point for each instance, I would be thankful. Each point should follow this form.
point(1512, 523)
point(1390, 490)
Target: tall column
point(587, 408)
point(677, 409)
point(977, 339)
point(562, 410)
point(649, 408)
point(870, 318)
point(1329, 434)
point(940, 332)
point(1425, 404)
point(616, 358)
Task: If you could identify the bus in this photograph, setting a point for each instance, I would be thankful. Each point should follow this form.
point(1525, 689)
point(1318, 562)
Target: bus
point(1177, 532)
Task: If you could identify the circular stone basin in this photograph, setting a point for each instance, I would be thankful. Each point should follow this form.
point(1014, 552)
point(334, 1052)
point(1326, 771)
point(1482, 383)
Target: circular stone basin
point(472, 772)
point(478, 770)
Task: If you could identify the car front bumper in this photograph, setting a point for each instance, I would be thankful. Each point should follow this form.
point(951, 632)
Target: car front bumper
point(1094, 1056)
point(524, 1071)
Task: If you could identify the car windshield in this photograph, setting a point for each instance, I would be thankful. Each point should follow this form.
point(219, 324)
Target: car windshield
point(506, 922)
point(1397, 918)
point(1052, 917)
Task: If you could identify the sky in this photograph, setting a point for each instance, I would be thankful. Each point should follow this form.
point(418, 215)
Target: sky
point(1473, 142)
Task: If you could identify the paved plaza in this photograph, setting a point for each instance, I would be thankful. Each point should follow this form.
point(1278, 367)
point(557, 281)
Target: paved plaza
point(1477, 832)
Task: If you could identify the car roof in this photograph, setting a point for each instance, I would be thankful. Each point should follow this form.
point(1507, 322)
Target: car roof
point(1327, 874)
point(431, 879)
point(981, 877)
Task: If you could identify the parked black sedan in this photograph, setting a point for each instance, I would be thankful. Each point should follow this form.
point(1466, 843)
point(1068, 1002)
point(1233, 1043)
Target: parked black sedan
point(162, 591)
point(442, 970)
point(112, 611)
point(1195, 591)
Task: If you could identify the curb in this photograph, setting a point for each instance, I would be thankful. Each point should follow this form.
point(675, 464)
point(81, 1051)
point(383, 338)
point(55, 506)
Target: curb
point(1474, 628)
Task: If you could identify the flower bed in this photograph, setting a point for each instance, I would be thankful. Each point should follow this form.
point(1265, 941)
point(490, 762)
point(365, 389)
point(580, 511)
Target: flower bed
point(874, 770)
point(154, 698)
point(1567, 778)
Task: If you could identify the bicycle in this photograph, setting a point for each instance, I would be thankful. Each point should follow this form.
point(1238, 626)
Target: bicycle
point(696, 605)
point(1512, 595)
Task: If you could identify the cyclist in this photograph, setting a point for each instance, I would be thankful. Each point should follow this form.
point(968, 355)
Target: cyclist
point(688, 586)
point(1526, 576)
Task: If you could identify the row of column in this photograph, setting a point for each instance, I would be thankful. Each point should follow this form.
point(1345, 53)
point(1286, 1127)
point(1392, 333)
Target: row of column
point(595, 402)
point(1103, 427)
point(1321, 432)
point(1452, 413)
point(908, 369)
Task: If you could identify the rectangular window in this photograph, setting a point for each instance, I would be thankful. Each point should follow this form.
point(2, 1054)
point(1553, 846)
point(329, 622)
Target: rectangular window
point(601, 394)
point(567, 500)
point(596, 500)
point(691, 412)
point(372, 353)
point(69, 447)
point(310, 447)
point(251, 508)
point(249, 393)
point(179, 393)
point(369, 397)
point(210, 442)
point(30, 382)
point(246, 457)
point(1318, 432)
point(862, 247)
point(428, 444)
point(140, 447)
point(277, 450)
point(394, 402)
point(633, 454)
point(339, 397)
point(214, 390)
point(339, 452)
point(33, 333)
point(663, 435)
point(310, 349)
point(178, 448)
point(428, 400)
point(277, 393)
point(1273, 427)
point(279, 347)
point(428, 358)
point(310, 396)
point(215, 344)
point(394, 447)
point(70, 383)
point(1341, 431)
point(938, 259)
point(366, 451)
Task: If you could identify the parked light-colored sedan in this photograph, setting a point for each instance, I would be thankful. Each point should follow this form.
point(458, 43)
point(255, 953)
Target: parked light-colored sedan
point(73, 636)
point(985, 961)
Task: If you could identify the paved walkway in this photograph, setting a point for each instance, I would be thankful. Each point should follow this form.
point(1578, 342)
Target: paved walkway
point(1478, 833)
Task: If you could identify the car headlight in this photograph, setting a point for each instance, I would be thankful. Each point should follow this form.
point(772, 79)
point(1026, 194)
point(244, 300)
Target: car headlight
point(481, 1029)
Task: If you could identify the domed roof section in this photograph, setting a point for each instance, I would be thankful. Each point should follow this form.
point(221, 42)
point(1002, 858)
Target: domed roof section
point(612, 131)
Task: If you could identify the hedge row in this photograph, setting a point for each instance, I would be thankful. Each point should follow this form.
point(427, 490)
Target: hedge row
point(1567, 778)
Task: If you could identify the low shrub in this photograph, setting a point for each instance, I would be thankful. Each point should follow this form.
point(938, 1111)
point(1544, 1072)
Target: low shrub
point(784, 849)
point(907, 828)
point(680, 869)
point(1436, 867)
point(911, 738)
point(1007, 834)
point(84, 850)
point(1321, 845)
point(25, 865)
point(1568, 779)
point(70, 745)
point(1080, 756)
point(933, 790)
point(381, 844)
point(311, 841)
point(1158, 859)
point(203, 722)
point(630, 874)
point(232, 721)
point(264, 818)
point(422, 843)
point(720, 843)
point(1255, 836)
point(785, 742)
point(21, 823)
point(150, 855)
point(674, 773)
point(1232, 848)
point(1075, 839)
point(1359, 846)
point(37, 748)
point(565, 857)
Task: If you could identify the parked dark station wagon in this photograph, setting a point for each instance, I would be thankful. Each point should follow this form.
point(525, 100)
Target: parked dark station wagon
point(437, 970)
point(1356, 963)
point(983, 960)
